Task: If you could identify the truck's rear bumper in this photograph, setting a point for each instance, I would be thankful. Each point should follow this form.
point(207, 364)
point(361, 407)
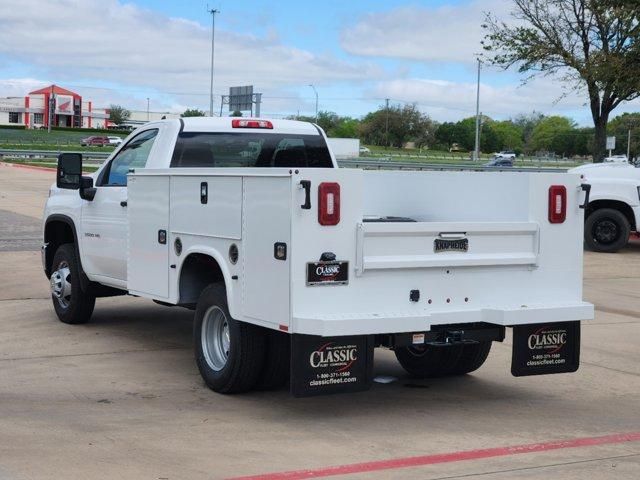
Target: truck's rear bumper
point(399, 322)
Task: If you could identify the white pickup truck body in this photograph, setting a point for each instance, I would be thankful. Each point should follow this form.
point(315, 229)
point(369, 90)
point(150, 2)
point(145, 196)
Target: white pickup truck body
point(614, 205)
point(385, 256)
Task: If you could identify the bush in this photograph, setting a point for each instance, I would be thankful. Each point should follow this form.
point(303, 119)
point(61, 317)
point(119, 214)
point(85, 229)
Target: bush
point(13, 127)
point(92, 130)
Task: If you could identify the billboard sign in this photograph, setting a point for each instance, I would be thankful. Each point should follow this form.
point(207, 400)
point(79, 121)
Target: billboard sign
point(611, 143)
point(64, 104)
point(241, 98)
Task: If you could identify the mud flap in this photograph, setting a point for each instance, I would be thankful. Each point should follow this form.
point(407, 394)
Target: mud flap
point(322, 365)
point(541, 349)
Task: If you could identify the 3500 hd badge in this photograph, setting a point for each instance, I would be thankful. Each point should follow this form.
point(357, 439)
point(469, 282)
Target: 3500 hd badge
point(327, 273)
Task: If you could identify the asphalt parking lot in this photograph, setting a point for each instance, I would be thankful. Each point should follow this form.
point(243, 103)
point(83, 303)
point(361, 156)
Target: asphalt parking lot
point(121, 396)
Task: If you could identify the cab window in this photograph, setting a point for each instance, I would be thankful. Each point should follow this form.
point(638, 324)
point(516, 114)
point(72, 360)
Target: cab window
point(133, 155)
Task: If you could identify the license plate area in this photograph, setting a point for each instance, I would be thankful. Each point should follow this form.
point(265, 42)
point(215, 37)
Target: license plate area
point(327, 273)
point(542, 349)
point(450, 245)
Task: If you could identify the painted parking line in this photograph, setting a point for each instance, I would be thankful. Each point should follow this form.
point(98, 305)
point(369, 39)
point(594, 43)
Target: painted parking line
point(445, 458)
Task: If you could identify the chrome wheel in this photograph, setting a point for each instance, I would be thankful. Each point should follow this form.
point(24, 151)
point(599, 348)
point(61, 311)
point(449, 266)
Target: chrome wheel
point(215, 338)
point(60, 283)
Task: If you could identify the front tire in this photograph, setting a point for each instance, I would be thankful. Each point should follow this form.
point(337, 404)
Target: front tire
point(72, 304)
point(229, 353)
point(606, 230)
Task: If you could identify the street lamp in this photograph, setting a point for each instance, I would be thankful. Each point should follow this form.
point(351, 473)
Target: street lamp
point(316, 92)
point(476, 149)
point(213, 12)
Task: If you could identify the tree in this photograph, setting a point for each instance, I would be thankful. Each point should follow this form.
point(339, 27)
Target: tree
point(554, 134)
point(403, 124)
point(347, 128)
point(193, 112)
point(594, 45)
point(447, 134)
point(527, 123)
point(509, 136)
point(118, 114)
point(333, 124)
point(620, 127)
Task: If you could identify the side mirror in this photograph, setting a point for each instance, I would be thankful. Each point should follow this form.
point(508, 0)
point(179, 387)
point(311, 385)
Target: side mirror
point(87, 190)
point(69, 171)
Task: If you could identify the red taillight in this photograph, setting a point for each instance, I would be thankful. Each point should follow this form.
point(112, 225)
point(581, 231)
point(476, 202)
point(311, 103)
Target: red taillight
point(329, 203)
point(239, 123)
point(557, 203)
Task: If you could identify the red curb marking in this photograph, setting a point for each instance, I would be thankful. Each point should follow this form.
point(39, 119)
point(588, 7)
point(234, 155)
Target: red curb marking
point(445, 458)
point(29, 167)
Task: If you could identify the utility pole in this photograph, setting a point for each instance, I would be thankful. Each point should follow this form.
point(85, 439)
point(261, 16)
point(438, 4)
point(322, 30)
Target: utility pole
point(629, 146)
point(213, 12)
point(316, 92)
point(386, 123)
point(476, 151)
point(147, 109)
point(258, 102)
point(52, 109)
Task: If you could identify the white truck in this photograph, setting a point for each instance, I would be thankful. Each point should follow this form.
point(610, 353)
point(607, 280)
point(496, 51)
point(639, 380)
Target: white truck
point(614, 204)
point(297, 269)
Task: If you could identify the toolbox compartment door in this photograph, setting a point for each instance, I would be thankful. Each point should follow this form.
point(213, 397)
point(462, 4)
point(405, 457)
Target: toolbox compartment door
point(148, 249)
point(266, 225)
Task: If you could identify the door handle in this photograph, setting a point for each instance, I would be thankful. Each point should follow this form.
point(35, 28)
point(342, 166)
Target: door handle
point(123, 203)
point(306, 185)
point(586, 188)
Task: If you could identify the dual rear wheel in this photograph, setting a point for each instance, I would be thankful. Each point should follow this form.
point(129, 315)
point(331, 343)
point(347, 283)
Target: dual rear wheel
point(429, 361)
point(235, 356)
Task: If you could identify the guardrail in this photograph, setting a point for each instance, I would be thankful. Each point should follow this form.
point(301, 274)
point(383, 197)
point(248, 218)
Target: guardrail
point(393, 165)
point(466, 157)
point(95, 158)
point(39, 154)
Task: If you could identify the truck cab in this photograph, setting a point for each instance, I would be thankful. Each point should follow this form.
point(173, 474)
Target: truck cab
point(613, 213)
point(297, 269)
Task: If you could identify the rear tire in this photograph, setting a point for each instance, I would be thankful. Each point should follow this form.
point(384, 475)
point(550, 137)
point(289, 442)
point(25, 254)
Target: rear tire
point(72, 304)
point(606, 230)
point(429, 361)
point(275, 372)
point(472, 357)
point(229, 353)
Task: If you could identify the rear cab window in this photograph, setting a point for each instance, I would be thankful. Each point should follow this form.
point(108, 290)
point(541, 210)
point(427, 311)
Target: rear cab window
point(250, 150)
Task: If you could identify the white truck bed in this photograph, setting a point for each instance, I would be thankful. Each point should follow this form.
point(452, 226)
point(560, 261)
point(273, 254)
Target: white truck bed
point(519, 267)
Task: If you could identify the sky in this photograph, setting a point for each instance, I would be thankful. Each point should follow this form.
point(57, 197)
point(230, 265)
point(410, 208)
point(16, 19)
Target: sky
point(355, 53)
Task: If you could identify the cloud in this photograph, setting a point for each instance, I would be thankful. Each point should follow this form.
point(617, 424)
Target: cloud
point(451, 101)
point(19, 87)
point(112, 42)
point(448, 33)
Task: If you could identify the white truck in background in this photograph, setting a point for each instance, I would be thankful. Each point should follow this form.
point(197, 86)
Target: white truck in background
point(613, 212)
point(297, 270)
point(344, 147)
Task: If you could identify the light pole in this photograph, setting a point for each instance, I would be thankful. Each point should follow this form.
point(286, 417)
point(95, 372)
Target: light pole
point(316, 92)
point(147, 109)
point(213, 12)
point(476, 151)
